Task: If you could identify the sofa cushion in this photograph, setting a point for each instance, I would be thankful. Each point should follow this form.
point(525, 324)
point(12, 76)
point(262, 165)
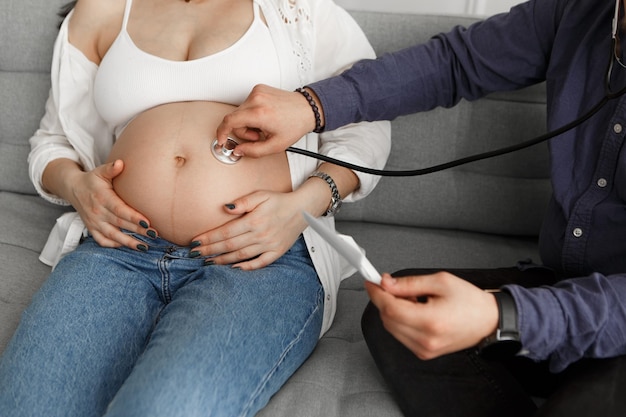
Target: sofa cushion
point(27, 31)
point(340, 377)
point(27, 92)
point(24, 225)
point(391, 248)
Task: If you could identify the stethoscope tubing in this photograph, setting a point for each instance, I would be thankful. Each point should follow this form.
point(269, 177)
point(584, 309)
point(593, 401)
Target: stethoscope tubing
point(460, 161)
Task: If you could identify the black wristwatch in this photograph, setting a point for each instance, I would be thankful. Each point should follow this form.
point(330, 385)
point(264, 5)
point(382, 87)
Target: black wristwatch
point(505, 341)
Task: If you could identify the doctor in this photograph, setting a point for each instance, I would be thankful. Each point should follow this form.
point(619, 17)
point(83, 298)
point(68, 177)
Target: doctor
point(466, 351)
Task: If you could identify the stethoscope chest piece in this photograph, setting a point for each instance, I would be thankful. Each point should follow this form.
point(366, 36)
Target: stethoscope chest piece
point(224, 153)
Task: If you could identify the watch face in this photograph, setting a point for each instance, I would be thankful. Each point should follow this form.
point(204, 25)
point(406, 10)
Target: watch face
point(500, 350)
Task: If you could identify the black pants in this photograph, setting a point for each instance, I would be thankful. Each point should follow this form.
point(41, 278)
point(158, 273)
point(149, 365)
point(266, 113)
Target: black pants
point(464, 384)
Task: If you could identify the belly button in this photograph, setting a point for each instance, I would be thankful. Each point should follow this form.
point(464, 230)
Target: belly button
point(180, 161)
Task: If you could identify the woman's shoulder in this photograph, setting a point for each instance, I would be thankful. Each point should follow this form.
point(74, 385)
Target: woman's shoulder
point(99, 10)
point(94, 24)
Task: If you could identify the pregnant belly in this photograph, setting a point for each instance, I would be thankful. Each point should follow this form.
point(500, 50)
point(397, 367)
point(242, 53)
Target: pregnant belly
point(171, 176)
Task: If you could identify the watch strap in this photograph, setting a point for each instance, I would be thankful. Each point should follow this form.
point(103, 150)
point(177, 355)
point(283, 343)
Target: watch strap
point(505, 341)
point(507, 321)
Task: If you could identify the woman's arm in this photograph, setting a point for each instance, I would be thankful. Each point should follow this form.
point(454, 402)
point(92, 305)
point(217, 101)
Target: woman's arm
point(72, 140)
point(340, 43)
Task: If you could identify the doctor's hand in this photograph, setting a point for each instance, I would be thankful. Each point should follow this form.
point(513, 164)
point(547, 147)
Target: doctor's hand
point(271, 119)
point(457, 315)
point(102, 211)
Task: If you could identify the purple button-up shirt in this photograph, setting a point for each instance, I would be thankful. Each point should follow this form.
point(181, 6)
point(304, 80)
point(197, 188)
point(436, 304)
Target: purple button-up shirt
point(566, 43)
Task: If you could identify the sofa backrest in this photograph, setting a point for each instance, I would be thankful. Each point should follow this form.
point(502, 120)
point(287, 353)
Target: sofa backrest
point(27, 32)
point(504, 195)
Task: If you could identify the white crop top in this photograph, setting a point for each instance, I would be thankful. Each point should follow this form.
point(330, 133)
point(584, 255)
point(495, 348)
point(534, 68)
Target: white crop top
point(130, 81)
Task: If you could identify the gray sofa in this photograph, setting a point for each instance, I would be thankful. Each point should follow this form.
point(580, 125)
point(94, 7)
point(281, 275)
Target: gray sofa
point(485, 214)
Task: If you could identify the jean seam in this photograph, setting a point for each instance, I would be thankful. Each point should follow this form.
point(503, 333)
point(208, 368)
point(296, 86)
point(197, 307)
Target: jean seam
point(497, 388)
point(288, 349)
point(165, 280)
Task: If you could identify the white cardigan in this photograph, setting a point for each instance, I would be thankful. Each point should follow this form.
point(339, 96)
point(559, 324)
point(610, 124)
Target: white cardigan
point(315, 39)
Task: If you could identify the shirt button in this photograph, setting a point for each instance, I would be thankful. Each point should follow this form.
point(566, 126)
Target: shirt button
point(578, 232)
point(617, 128)
point(312, 248)
point(602, 183)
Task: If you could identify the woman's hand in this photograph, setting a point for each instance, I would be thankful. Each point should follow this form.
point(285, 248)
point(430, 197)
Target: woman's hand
point(269, 224)
point(101, 209)
point(457, 315)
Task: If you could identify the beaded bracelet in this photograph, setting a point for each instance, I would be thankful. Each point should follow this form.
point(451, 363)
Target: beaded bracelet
point(316, 110)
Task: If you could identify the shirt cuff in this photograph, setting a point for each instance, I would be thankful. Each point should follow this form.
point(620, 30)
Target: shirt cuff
point(338, 99)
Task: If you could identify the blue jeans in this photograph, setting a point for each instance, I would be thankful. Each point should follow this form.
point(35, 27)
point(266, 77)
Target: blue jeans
point(117, 332)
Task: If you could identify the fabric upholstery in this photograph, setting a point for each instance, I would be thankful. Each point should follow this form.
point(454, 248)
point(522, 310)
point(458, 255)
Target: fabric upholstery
point(486, 214)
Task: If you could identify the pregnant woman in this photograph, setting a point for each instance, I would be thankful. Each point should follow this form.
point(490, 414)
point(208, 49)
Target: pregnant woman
point(182, 286)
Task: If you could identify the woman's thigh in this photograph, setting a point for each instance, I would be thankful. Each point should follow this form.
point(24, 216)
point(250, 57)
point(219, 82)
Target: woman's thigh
point(79, 338)
point(227, 341)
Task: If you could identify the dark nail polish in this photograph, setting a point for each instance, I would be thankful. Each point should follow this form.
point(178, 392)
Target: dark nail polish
point(194, 254)
point(143, 224)
point(230, 206)
point(209, 262)
point(142, 247)
point(151, 233)
point(195, 243)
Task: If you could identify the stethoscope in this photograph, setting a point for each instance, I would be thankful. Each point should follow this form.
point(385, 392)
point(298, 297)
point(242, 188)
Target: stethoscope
point(225, 153)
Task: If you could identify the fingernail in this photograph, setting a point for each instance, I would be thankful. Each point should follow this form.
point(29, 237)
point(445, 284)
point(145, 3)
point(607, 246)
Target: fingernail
point(194, 254)
point(143, 224)
point(209, 262)
point(195, 243)
point(230, 206)
point(142, 247)
point(151, 233)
